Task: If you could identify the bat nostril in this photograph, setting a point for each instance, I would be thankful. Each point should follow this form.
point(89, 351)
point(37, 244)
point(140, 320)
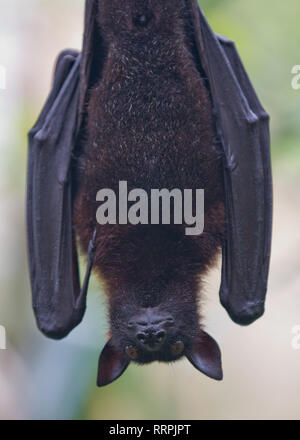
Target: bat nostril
point(141, 337)
point(160, 336)
point(151, 339)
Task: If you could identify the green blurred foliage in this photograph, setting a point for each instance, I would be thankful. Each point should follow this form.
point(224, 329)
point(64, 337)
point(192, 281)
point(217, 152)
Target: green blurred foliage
point(267, 34)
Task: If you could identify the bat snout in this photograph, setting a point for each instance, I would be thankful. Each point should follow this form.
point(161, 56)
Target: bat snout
point(151, 338)
point(151, 330)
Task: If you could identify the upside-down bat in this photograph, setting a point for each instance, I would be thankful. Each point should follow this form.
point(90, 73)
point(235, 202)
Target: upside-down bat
point(158, 100)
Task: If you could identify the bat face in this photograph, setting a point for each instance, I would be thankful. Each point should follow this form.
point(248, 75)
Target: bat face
point(140, 16)
point(163, 333)
point(155, 336)
point(159, 333)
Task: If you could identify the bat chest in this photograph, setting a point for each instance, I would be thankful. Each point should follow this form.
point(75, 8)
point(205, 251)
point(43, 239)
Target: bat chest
point(152, 129)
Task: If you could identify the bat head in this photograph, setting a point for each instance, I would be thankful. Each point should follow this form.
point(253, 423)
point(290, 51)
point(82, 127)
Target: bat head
point(151, 275)
point(163, 333)
point(136, 17)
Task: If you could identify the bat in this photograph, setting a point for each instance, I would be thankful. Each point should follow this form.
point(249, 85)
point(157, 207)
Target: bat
point(156, 99)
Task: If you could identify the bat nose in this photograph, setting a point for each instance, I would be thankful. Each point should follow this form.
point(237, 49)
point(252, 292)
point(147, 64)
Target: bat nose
point(151, 337)
point(151, 327)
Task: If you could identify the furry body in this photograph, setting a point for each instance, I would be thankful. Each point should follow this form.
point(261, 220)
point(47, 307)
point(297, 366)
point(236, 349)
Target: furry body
point(150, 122)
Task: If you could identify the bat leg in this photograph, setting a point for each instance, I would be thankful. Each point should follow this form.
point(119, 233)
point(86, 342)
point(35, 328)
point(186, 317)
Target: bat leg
point(90, 261)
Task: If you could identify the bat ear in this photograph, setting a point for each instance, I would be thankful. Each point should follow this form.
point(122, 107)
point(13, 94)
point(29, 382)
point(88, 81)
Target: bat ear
point(205, 355)
point(112, 364)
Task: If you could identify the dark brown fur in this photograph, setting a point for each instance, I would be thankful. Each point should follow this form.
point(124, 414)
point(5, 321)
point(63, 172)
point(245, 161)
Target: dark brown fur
point(149, 122)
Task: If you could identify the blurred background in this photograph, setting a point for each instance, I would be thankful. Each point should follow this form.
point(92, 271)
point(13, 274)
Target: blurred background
point(42, 379)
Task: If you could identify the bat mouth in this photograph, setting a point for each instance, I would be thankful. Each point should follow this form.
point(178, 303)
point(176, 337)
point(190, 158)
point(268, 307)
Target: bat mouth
point(167, 352)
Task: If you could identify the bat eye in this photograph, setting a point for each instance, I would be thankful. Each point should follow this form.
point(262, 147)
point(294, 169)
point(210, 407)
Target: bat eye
point(177, 348)
point(131, 352)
